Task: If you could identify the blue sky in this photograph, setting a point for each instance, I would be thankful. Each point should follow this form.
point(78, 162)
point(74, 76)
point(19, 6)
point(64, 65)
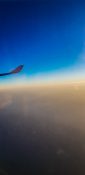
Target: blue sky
point(45, 36)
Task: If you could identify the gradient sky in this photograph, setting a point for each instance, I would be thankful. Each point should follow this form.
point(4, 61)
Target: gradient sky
point(44, 35)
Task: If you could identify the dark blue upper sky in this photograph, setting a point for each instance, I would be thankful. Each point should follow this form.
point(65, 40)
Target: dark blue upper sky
point(42, 35)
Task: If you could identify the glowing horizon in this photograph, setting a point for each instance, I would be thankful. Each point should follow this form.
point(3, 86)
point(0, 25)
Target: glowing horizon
point(72, 76)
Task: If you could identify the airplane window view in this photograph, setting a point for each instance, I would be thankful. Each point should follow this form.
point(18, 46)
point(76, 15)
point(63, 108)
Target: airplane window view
point(42, 87)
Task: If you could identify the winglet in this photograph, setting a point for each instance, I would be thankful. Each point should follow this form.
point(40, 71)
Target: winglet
point(17, 70)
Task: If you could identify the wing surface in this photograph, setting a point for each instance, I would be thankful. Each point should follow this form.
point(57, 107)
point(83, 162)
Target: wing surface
point(15, 71)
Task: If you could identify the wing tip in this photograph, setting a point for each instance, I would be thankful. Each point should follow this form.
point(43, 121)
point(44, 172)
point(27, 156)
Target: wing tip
point(18, 69)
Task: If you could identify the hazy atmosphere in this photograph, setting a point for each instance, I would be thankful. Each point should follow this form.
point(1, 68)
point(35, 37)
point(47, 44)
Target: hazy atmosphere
point(42, 106)
point(42, 130)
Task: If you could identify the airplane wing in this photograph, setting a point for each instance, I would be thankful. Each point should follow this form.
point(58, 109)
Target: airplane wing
point(17, 70)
